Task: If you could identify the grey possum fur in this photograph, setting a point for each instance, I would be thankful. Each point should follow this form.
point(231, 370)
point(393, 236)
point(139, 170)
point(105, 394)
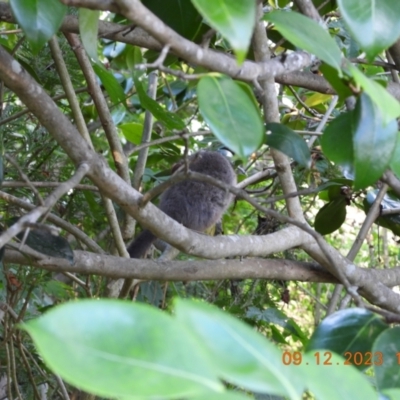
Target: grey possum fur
point(196, 205)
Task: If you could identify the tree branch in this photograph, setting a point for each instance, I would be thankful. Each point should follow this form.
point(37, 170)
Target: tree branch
point(50, 201)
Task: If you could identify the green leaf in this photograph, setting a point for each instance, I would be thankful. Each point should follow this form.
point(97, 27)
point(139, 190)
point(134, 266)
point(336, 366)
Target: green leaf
point(317, 99)
point(284, 139)
point(337, 140)
point(352, 330)
point(387, 375)
point(331, 216)
point(180, 15)
point(234, 19)
point(88, 28)
point(374, 24)
point(346, 383)
point(335, 80)
point(392, 394)
point(43, 241)
point(388, 105)
point(275, 316)
point(238, 353)
point(39, 19)
point(171, 120)
point(108, 80)
point(334, 189)
point(308, 35)
point(373, 141)
point(231, 114)
point(114, 349)
point(395, 161)
point(132, 131)
point(133, 57)
point(229, 395)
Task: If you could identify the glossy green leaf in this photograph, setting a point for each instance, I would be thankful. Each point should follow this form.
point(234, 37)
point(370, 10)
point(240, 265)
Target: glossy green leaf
point(374, 24)
point(229, 395)
point(180, 15)
point(387, 104)
point(114, 349)
point(284, 139)
point(345, 382)
point(43, 241)
point(249, 91)
point(171, 120)
point(133, 57)
point(352, 330)
point(234, 19)
point(331, 216)
point(39, 19)
point(113, 87)
point(231, 114)
point(308, 35)
point(238, 353)
point(373, 141)
point(336, 81)
point(88, 28)
point(333, 189)
point(337, 140)
point(395, 160)
point(132, 131)
point(387, 375)
point(274, 316)
point(392, 394)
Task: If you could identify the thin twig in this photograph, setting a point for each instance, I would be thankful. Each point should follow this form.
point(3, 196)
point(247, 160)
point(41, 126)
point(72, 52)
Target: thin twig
point(40, 211)
point(61, 385)
point(25, 178)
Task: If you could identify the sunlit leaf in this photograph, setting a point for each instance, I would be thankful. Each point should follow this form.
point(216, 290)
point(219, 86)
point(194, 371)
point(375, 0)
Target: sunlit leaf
point(133, 57)
point(234, 19)
point(388, 105)
point(88, 28)
point(239, 354)
point(347, 382)
point(374, 24)
point(132, 131)
point(317, 98)
point(230, 395)
point(111, 84)
point(395, 161)
point(39, 19)
point(336, 81)
point(107, 347)
point(171, 120)
point(373, 142)
point(308, 35)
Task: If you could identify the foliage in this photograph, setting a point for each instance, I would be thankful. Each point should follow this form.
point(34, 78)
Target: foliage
point(185, 354)
point(336, 121)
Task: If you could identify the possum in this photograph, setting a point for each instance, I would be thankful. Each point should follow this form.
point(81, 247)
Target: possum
point(196, 205)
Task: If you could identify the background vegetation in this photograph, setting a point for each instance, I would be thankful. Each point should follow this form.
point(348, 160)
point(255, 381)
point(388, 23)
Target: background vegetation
point(100, 98)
